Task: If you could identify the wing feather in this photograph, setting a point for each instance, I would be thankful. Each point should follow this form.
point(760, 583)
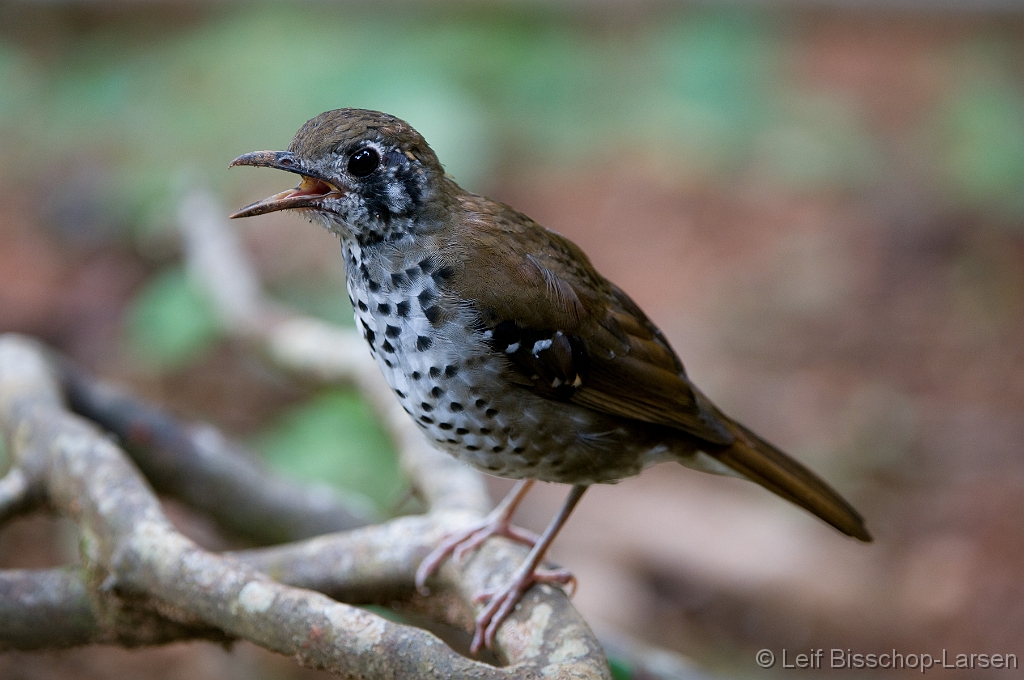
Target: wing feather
point(570, 334)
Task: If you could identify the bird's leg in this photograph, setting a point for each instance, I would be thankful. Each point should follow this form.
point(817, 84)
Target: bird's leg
point(501, 602)
point(497, 523)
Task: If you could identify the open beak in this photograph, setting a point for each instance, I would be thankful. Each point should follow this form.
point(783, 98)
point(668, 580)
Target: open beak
point(310, 193)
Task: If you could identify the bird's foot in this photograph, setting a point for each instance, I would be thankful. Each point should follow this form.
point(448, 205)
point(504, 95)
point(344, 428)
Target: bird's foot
point(458, 543)
point(502, 601)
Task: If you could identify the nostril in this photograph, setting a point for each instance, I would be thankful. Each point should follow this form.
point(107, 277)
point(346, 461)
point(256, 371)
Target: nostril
point(287, 162)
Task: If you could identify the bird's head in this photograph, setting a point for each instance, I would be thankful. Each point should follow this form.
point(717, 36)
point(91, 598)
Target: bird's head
point(364, 174)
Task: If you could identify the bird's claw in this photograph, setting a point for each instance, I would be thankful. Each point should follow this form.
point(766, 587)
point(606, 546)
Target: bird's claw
point(561, 577)
point(458, 543)
point(502, 601)
point(476, 539)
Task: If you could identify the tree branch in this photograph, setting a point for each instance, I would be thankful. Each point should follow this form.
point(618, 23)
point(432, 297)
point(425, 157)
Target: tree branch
point(135, 561)
point(57, 608)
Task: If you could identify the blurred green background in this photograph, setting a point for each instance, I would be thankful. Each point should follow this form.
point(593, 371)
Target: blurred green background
point(147, 93)
point(823, 206)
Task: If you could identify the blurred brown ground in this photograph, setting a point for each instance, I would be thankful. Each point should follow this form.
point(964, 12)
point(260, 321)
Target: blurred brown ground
point(875, 335)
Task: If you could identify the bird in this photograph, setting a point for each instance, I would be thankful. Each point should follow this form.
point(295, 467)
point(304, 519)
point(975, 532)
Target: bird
point(506, 346)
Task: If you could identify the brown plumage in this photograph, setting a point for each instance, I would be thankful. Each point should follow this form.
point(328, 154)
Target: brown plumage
point(622, 362)
point(504, 343)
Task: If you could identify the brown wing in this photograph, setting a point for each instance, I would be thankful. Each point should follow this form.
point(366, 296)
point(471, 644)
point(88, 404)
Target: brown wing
point(570, 334)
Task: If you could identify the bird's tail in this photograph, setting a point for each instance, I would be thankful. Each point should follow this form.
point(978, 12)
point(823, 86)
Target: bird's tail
point(760, 462)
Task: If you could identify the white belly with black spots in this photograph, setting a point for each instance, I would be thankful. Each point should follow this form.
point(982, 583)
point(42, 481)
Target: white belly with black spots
point(438, 366)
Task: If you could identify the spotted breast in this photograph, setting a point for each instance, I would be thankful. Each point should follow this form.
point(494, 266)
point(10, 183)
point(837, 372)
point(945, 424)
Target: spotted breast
point(449, 369)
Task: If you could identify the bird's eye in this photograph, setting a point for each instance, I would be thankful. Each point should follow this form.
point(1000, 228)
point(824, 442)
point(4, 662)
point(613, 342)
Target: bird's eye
point(363, 162)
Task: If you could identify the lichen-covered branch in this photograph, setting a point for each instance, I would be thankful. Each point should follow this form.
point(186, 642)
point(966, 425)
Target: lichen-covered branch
point(137, 568)
point(57, 608)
